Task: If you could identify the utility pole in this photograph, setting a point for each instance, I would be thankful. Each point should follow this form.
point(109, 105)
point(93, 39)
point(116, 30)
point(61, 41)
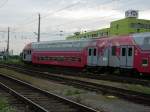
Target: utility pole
point(39, 25)
point(8, 42)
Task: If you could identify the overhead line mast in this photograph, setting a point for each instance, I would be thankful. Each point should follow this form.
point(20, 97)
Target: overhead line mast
point(8, 42)
point(39, 25)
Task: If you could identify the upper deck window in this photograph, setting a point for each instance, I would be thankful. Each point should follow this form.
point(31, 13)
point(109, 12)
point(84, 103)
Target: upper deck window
point(146, 41)
point(143, 42)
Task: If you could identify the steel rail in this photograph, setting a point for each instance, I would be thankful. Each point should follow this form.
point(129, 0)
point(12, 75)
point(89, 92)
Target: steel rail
point(113, 78)
point(130, 95)
point(24, 91)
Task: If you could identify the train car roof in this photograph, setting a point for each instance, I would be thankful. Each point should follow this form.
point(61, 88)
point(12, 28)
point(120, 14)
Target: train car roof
point(62, 41)
point(144, 34)
point(89, 40)
point(28, 46)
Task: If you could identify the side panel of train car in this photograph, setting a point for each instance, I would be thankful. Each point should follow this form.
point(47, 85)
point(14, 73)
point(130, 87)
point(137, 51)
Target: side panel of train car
point(131, 52)
point(126, 52)
point(142, 52)
point(69, 53)
point(121, 52)
point(27, 53)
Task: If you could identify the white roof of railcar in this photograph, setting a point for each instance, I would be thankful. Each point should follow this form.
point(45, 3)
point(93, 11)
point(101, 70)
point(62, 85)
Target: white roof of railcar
point(144, 34)
point(61, 41)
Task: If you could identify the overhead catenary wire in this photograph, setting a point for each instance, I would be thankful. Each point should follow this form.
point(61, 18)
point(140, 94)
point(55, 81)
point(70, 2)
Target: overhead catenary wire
point(59, 10)
point(20, 32)
point(101, 18)
point(105, 2)
point(49, 14)
point(3, 4)
point(46, 16)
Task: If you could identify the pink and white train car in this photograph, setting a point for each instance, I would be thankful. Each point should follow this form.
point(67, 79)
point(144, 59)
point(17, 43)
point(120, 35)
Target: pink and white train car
point(130, 52)
point(26, 54)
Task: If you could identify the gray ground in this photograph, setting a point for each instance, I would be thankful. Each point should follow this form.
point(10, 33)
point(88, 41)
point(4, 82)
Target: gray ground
point(107, 103)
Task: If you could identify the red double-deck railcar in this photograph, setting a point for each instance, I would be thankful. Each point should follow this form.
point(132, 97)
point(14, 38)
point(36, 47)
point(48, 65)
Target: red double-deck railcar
point(130, 52)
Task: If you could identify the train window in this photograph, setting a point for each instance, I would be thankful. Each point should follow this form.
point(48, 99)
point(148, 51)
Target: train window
point(46, 58)
point(113, 50)
point(146, 41)
point(49, 58)
point(29, 52)
point(94, 51)
point(129, 51)
point(90, 52)
point(123, 51)
point(79, 59)
point(60, 58)
point(144, 62)
point(42, 58)
point(24, 56)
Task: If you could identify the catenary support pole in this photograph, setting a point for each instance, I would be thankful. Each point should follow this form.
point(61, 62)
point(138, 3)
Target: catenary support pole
point(39, 25)
point(8, 41)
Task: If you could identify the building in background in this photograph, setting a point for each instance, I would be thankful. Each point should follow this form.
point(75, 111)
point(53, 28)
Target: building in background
point(130, 24)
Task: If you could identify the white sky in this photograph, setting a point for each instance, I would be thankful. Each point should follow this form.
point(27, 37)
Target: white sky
point(60, 15)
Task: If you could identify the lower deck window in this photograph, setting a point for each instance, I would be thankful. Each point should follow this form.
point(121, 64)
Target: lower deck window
point(145, 62)
point(58, 58)
point(123, 51)
point(113, 50)
point(130, 52)
point(90, 52)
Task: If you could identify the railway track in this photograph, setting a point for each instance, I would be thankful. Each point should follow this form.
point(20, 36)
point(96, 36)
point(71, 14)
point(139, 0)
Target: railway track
point(18, 105)
point(39, 100)
point(104, 89)
point(78, 73)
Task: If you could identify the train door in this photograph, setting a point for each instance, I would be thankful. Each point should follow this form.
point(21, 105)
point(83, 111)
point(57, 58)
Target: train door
point(92, 56)
point(104, 57)
point(126, 56)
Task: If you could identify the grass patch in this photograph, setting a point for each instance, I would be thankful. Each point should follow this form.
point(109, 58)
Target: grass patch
point(72, 91)
point(4, 105)
point(11, 61)
point(15, 59)
point(139, 88)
